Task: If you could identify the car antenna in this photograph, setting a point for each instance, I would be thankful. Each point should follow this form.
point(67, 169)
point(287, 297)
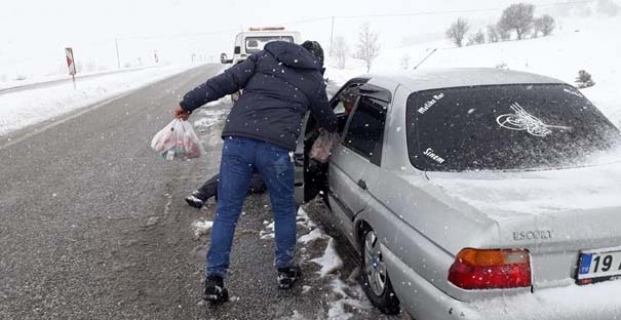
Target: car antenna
point(425, 59)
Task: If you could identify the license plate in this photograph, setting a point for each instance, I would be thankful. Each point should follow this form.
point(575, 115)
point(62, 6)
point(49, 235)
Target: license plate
point(599, 265)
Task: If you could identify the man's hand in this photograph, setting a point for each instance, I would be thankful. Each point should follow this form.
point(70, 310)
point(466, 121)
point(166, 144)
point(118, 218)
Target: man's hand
point(181, 114)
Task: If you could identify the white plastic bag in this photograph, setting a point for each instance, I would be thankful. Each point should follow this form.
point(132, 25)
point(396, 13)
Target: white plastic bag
point(177, 141)
point(322, 148)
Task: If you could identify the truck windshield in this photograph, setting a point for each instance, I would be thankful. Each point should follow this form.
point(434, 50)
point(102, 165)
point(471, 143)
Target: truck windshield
point(256, 44)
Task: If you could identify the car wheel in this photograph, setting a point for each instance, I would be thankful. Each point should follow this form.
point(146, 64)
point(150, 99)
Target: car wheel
point(375, 279)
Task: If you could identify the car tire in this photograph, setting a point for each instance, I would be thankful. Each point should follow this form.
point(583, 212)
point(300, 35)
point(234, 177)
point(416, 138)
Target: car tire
point(374, 275)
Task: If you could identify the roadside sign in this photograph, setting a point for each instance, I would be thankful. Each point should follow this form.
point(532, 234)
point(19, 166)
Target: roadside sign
point(70, 61)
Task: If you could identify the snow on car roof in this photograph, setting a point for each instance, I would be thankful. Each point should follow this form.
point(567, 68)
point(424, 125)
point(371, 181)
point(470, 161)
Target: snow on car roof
point(463, 77)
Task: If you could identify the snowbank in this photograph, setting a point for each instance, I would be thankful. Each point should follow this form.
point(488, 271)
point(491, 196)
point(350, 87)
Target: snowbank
point(201, 227)
point(28, 107)
point(330, 261)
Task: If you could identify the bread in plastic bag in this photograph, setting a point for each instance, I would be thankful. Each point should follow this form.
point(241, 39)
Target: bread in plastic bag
point(322, 148)
point(177, 141)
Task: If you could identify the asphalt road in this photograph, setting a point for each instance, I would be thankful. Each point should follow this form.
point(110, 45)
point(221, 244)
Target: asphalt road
point(93, 224)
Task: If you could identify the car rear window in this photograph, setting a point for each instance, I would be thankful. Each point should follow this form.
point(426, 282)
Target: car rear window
point(504, 127)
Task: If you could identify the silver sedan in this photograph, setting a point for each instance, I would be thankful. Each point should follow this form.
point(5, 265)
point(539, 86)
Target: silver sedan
point(475, 194)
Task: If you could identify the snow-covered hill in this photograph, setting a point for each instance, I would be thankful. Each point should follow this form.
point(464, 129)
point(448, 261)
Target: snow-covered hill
point(591, 44)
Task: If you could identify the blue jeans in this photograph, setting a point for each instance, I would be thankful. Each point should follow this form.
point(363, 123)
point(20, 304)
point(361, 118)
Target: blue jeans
point(241, 157)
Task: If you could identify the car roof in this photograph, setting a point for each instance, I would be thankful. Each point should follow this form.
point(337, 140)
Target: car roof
point(428, 79)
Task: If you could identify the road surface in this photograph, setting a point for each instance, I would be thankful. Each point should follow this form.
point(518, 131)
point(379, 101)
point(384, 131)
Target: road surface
point(94, 225)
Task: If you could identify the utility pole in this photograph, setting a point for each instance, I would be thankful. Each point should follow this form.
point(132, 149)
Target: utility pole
point(118, 58)
point(332, 36)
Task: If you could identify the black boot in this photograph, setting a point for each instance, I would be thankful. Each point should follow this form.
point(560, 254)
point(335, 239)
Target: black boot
point(194, 201)
point(215, 291)
point(288, 276)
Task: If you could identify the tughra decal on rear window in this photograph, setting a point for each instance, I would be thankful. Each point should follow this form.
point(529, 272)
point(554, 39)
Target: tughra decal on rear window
point(429, 153)
point(430, 103)
point(522, 120)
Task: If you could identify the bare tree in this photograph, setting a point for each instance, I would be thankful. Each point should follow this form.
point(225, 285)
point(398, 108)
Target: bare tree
point(368, 45)
point(405, 62)
point(547, 25)
point(608, 7)
point(504, 32)
point(340, 52)
point(458, 31)
point(477, 38)
point(492, 34)
point(537, 26)
point(518, 17)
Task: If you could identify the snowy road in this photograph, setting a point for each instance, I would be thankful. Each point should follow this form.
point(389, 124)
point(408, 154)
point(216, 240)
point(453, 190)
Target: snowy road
point(94, 226)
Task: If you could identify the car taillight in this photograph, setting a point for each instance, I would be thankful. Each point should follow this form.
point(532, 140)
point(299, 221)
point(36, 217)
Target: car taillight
point(491, 269)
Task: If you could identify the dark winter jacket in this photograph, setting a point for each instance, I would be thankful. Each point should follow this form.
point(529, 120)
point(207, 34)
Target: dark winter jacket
point(280, 84)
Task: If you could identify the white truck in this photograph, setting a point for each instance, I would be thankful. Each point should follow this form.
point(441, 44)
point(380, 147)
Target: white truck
point(253, 41)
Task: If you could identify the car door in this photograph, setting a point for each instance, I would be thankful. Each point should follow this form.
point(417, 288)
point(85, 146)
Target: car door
point(310, 177)
point(358, 156)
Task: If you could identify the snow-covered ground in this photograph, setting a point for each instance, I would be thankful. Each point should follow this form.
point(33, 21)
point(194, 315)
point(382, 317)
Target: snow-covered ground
point(590, 44)
point(28, 107)
point(344, 295)
point(57, 77)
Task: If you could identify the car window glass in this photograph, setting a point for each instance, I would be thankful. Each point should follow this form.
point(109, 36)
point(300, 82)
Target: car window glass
point(506, 127)
point(344, 103)
point(365, 132)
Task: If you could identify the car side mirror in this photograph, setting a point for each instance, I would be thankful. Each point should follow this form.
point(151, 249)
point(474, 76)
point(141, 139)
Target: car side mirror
point(224, 59)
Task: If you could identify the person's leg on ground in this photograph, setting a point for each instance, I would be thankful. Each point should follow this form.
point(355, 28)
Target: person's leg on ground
point(277, 170)
point(209, 189)
point(235, 172)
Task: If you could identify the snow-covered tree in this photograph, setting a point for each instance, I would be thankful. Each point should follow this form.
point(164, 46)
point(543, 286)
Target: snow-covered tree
point(340, 52)
point(457, 31)
point(547, 25)
point(368, 45)
point(405, 62)
point(518, 17)
point(584, 80)
point(608, 7)
point(503, 31)
point(537, 26)
point(477, 38)
point(492, 34)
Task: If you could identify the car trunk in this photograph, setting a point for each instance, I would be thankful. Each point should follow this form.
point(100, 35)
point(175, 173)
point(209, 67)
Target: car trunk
point(554, 214)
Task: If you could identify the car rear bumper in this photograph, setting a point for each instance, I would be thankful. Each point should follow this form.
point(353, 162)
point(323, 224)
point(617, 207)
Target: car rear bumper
point(425, 301)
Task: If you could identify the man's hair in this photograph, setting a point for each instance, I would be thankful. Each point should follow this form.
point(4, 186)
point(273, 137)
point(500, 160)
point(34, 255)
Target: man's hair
point(315, 48)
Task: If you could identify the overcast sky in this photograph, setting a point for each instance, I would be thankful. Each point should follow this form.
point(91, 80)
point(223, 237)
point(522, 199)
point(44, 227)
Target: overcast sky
point(34, 32)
